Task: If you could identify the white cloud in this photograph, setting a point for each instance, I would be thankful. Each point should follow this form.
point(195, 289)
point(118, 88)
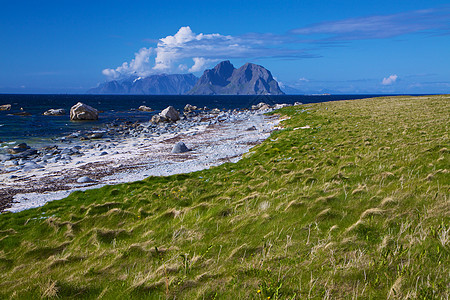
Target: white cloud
point(389, 80)
point(200, 64)
point(139, 65)
point(186, 44)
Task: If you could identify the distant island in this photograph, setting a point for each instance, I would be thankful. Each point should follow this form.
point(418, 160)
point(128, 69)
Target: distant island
point(223, 79)
point(162, 84)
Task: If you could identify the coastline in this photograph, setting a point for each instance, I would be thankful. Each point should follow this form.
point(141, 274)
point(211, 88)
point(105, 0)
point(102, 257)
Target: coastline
point(214, 137)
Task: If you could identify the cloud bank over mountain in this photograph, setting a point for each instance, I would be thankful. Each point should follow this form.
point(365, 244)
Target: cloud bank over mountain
point(192, 52)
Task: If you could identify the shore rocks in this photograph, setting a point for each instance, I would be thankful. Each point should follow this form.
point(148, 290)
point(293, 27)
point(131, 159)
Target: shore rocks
point(18, 148)
point(259, 105)
point(145, 108)
point(81, 111)
point(157, 119)
point(5, 107)
point(55, 112)
point(95, 135)
point(180, 147)
point(189, 108)
point(278, 106)
point(26, 153)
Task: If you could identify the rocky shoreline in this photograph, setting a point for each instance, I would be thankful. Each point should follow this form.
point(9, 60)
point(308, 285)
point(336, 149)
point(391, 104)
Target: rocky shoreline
point(125, 151)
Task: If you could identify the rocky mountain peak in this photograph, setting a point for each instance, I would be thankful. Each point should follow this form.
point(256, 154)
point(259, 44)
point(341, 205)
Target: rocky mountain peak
point(224, 79)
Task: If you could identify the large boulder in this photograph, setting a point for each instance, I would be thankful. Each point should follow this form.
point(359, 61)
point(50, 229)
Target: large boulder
point(170, 114)
point(81, 111)
point(55, 112)
point(5, 107)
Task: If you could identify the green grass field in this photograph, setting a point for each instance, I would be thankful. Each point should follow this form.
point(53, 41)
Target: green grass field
point(357, 206)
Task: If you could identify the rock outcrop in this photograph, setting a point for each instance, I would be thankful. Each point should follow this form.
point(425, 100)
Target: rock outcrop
point(224, 79)
point(55, 112)
point(81, 111)
point(144, 108)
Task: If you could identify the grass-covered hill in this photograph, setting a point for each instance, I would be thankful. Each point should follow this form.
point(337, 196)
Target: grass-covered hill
point(356, 206)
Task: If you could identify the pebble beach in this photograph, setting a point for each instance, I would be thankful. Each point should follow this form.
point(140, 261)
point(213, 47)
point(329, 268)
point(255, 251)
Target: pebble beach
point(127, 152)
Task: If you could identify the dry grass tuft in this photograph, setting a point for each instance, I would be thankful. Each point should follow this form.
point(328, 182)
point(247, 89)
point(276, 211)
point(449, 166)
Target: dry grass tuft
point(372, 212)
point(360, 189)
point(388, 201)
point(294, 204)
point(50, 289)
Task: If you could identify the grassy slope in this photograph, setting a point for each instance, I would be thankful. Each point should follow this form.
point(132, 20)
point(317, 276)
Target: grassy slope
point(356, 206)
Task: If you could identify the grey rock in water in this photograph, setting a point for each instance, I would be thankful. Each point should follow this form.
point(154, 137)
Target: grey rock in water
point(180, 147)
point(81, 111)
point(170, 114)
point(85, 179)
point(55, 112)
point(224, 79)
point(5, 107)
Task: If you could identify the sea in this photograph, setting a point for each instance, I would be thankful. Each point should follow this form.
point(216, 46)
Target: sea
point(38, 129)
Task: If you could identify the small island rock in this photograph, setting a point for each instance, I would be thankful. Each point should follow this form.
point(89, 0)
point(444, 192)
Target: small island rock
point(55, 112)
point(144, 108)
point(5, 107)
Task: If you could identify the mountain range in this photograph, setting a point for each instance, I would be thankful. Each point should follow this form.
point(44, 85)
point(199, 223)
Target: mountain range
point(162, 84)
point(223, 79)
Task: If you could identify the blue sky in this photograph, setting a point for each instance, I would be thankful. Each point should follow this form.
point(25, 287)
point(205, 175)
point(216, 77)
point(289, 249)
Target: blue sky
point(309, 46)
